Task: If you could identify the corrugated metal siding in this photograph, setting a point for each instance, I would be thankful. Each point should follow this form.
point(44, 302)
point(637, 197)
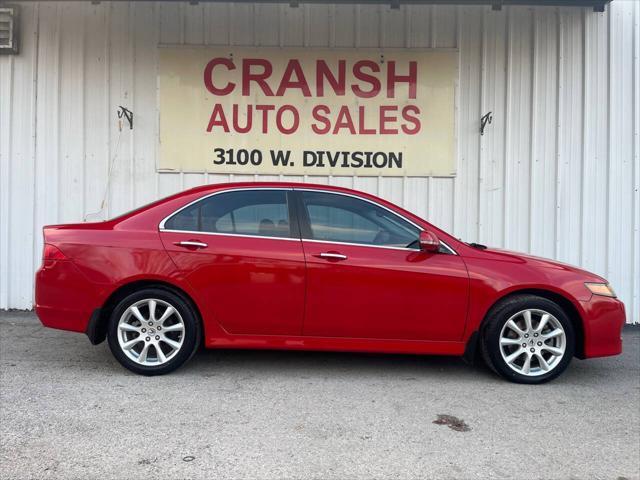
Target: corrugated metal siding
point(556, 174)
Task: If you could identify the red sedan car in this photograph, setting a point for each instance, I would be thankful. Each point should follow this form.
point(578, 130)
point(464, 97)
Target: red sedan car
point(314, 267)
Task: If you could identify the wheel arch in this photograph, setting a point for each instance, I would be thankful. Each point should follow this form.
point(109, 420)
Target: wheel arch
point(472, 351)
point(97, 327)
point(565, 303)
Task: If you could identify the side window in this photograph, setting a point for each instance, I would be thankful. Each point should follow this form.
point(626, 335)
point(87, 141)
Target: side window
point(244, 212)
point(339, 218)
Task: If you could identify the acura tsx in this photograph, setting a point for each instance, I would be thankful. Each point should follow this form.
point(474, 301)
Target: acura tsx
point(314, 267)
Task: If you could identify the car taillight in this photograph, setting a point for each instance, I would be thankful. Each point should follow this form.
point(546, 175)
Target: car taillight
point(51, 253)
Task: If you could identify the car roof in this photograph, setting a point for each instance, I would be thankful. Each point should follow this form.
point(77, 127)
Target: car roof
point(214, 187)
point(231, 185)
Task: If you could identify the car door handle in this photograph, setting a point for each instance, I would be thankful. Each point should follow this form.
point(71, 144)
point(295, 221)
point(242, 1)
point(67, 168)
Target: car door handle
point(191, 243)
point(331, 256)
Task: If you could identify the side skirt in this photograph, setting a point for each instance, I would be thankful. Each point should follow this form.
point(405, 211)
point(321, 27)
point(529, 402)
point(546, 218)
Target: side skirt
point(337, 344)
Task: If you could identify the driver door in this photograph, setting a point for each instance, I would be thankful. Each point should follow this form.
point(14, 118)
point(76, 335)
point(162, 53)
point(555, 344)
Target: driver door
point(367, 278)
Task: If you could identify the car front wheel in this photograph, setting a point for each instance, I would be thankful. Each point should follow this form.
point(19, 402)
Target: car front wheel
point(528, 339)
point(153, 331)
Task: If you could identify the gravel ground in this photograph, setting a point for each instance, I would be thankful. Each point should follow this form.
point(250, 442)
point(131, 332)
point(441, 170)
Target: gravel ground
point(69, 410)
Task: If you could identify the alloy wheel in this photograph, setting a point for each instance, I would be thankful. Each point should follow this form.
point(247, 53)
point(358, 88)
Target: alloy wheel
point(151, 332)
point(532, 342)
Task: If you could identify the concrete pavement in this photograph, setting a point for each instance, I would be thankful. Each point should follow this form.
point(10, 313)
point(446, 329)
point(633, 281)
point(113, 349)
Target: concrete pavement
point(69, 410)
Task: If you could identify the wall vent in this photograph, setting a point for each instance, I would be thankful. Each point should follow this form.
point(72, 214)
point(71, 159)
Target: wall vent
point(8, 29)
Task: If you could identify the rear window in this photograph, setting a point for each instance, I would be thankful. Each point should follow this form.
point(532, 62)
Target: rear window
point(247, 212)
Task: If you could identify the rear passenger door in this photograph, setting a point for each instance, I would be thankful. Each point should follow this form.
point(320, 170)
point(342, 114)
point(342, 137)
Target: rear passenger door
point(241, 251)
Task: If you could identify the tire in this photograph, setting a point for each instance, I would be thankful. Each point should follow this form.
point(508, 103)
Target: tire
point(505, 333)
point(167, 339)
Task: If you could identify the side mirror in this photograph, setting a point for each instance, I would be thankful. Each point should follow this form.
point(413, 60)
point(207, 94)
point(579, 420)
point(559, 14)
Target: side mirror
point(429, 242)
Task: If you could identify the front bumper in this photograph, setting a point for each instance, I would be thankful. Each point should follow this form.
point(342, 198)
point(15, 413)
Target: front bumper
point(603, 319)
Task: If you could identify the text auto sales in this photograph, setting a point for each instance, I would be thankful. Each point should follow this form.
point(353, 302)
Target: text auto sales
point(256, 76)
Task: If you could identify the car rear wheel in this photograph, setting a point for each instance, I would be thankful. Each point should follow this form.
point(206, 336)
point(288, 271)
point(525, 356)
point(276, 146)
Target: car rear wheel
point(153, 331)
point(528, 339)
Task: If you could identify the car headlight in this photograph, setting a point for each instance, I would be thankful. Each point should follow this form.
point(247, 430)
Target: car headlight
point(603, 289)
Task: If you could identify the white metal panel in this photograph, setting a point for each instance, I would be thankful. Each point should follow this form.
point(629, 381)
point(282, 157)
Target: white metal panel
point(595, 155)
point(19, 76)
point(6, 133)
point(633, 301)
point(343, 29)
point(492, 145)
point(621, 142)
point(466, 201)
point(97, 109)
point(557, 172)
point(521, 98)
point(569, 169)
point(544, 134)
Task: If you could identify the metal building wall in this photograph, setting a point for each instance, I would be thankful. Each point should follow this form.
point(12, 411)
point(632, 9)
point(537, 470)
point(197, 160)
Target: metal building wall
point(557, 173)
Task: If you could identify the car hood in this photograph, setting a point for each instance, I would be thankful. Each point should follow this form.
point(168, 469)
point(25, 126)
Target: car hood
point(502, 255)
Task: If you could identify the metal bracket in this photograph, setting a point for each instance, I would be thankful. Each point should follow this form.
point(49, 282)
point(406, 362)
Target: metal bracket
point(487, 118)
point(127, 114)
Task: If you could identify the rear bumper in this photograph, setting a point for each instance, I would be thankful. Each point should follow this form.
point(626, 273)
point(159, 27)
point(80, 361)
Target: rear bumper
point(65, 299)
point(603, 318)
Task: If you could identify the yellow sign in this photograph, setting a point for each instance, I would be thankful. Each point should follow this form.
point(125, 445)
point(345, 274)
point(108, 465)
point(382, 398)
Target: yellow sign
point(307, 111)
